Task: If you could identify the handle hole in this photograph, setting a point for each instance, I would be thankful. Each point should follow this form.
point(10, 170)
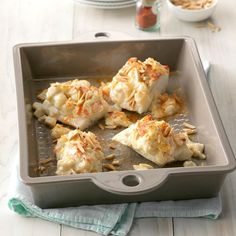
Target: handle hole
point(131, 180)
point(102, 35)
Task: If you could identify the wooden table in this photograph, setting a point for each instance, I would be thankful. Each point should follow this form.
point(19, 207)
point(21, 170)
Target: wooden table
point(24, 21)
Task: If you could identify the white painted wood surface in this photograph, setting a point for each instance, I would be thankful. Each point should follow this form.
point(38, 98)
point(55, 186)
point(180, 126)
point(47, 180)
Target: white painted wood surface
point(55, 20)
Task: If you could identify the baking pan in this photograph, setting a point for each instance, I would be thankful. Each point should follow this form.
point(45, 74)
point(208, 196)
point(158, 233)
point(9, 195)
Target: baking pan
point(36, 65)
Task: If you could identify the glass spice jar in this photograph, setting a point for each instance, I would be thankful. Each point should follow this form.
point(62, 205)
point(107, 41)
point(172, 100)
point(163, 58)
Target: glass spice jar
point(148, 15)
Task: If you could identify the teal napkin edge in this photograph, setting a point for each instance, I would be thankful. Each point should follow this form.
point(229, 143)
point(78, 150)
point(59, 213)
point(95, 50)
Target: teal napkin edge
point(209, 208)
point(124, 217)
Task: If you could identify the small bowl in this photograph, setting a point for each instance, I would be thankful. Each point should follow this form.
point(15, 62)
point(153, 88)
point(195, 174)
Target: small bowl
point(192, 15)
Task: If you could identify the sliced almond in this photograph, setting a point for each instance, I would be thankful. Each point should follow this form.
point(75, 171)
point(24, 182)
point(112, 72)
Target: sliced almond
point(41, 169)
point(110, 157)
point(132, 103)
point(178, 140)
point(142, 166)
point(79, 146)
point(45, 161)
point(101, 126)
point(167, 131)
point(190, 131)
point(112, 145)
point(90, 140)
point(189, 164)
point(115, 163)
point(109, 167)
point(189, 126)
point(110, 126)
point(42, 95)
point(121, 79)
point(213, 27)
point(131, 95)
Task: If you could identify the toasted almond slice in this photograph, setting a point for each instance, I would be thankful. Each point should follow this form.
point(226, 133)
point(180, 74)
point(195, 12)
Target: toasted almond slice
point(41, 168)
point(213, 27)
point(167, 131)
point(110, 126)
point(112, 145)
point(178, 141)
point(189, 126)
point(190, 131)
point(90, 140)
point(81, 100)
point(189, 164)
point(79, 146)
point(142, 166)
point(110, 157)
point(101, 126)
point(131, 95)
point(121, 79)
point(109, 167)
point(45, 161)
point(115, 163)
point(42, 95)
point(132, 103)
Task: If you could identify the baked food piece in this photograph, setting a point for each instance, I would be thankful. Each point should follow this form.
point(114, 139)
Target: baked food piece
point(78, 152)
point(165, 105)
point(75, 103)
point(155, 140)
point(135, 85)
point(117, 118)
point(59, 130)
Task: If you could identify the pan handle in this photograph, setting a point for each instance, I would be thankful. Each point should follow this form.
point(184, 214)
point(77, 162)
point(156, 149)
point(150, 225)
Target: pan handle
point(131, 183)
point(104, 36)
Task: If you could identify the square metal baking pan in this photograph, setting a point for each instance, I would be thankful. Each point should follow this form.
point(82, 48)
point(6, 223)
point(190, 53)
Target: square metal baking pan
point(36, 65)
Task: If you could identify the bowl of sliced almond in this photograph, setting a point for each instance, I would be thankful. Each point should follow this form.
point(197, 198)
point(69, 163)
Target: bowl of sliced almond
point(192, 10)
